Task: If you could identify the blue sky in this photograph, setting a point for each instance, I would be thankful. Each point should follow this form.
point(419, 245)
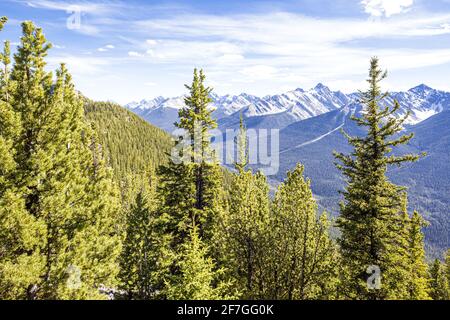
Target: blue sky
point(130, 50)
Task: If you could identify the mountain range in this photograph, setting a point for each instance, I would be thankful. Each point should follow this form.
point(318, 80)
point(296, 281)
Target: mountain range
point(310, 121)
point(284, 109)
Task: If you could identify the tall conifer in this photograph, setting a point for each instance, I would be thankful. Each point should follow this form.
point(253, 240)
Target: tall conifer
point(371, 219)
point(242, 234)
point(63, 195)
point(418, 286)
point(190, 189)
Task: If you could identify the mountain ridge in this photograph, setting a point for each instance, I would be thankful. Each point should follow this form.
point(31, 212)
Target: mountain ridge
point(421, 101)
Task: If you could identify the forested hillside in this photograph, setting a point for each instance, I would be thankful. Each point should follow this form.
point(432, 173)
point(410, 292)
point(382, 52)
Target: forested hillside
point(130, 144)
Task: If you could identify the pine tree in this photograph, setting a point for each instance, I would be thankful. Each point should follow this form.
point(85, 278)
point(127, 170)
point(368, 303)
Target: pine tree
point(371, 219)
point(438, 281)
point(144, 260)
point(20, 233)
point(242, 237)
point(418, 275)
point(447, 264)
point(197, 273)
point(190, 189)
point(64, 200)
point(304, 256)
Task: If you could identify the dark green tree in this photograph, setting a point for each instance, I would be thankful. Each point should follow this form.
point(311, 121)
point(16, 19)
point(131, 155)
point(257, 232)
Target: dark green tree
point(190, 191)
point(145, 257)
point(418, 286)
point(371, 215)
point(190, 184)
point(438, 281)
point(242, 234)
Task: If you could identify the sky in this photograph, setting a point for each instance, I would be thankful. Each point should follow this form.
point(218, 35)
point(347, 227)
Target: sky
point(127, 51)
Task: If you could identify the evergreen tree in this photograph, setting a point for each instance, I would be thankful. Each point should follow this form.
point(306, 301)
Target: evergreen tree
point(144, 257)
point(371, 219)
point(418, 276)
point(20, 233)
point(197, 273)
point(447, 264)
point(438, 281)
point(190, 188)
point(63, 195)
point(304, 258)
point(242, 236)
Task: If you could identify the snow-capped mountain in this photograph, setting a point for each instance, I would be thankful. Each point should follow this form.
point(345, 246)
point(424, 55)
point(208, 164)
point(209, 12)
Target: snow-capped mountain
point(294, 105)
point(422, 102)
point(284, 109)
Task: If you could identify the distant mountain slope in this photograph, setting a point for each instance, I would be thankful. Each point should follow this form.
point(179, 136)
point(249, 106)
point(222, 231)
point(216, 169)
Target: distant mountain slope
point(313, 141)
point(131, 143)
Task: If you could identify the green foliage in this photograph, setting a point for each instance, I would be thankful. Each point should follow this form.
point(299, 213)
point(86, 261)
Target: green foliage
point(418, 286)
point(190, 190)
point(439, 284)
point(304, 257)
point(371, 220)
point(130, 144)
point(145, 257)
point(241, 238)
point(196, 279)
point(58, 202)
point(83, 214)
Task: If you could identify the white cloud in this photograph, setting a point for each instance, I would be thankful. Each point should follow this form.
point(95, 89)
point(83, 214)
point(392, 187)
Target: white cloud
point(151, 42)
point(259, 72)
point(81, 6)
point(135, 54)
point(378, 8)
point(106, 48)
point(291, 50)
point(78, 65)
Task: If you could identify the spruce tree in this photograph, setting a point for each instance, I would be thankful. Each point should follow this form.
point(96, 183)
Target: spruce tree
point(243, 233)
point(196, 279)
point(304, 258)
point(190, 189)
point(371, 215)
point(418, 286)
point(439, 286)
point(144, 260)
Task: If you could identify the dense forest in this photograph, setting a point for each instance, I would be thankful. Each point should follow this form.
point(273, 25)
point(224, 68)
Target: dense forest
point(93, 205)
